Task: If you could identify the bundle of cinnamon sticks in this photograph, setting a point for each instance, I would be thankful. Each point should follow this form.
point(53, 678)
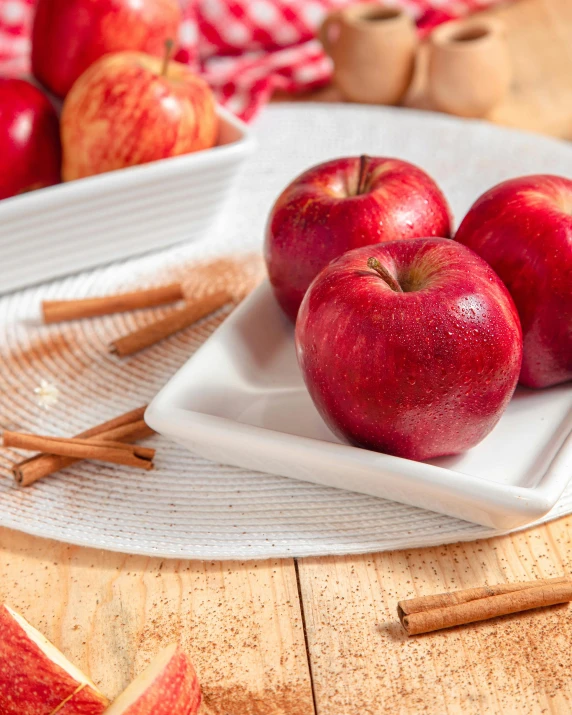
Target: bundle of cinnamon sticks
point(445, 610)
point(180, 318)
point(111, 441)
point(107, 442)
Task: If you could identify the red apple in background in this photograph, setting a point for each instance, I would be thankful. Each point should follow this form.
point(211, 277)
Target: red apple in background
point(169, 686)
point(29, 139)
point(412, 348)
point(523, 228)
point(344, 204)
point(35, 678)
point(69, 35)
point(130, 108)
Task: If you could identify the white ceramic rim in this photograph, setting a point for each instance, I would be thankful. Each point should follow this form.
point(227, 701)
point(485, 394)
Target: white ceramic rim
point(102, 184)
point(527, 503)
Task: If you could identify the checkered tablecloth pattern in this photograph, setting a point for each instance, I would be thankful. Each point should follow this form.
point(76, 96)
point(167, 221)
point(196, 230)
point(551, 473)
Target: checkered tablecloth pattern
point(246, 49)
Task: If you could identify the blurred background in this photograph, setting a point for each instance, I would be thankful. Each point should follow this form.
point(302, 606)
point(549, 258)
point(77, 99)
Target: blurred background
point(253, 50)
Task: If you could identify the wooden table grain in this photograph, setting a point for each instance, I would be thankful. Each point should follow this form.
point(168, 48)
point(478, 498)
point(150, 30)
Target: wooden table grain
point(321, 635)
point(110, 613)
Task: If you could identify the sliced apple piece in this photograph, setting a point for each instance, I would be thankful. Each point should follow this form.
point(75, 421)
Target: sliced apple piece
point(36, 678)
point(169, 686)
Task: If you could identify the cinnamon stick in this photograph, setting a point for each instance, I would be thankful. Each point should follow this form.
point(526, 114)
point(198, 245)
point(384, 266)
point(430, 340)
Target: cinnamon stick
point(452, 598)
point(55, 311)
point(126, 433)
point(42, 465)
point(102, 451)
point(128, 427)
point(177, 320)
point(432, 613)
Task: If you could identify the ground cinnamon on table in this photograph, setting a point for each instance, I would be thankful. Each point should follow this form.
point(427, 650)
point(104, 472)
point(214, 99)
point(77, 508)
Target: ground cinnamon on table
point(179, 319)
point(124, 428)
point(55, 311)
point(431, 613)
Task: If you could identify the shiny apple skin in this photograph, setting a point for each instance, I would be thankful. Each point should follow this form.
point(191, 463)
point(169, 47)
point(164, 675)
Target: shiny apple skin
point(320, 215)
point(30, 147)
point(523, 229)
point(70, 35)
point(173, 690)
point(31, 683)
point(123, 111)
point(418, 374)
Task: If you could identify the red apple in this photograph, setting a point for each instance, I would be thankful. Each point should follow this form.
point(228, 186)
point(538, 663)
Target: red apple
point(130, 108)
point(29, 139)
point(412, 348)
point(169, 686)
point(35, 678)
point(523, 229)
point(70, 35)
point(343, 204)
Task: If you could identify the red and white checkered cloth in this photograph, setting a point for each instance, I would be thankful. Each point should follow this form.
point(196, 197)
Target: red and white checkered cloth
point(246, 49)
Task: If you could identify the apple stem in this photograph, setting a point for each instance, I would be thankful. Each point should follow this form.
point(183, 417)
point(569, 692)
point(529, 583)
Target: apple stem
point(383, 273)
point(363, 162)
point(169, 47)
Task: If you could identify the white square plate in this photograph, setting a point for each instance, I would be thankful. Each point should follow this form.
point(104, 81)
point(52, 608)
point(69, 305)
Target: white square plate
point(241, 400)
point(80, 224)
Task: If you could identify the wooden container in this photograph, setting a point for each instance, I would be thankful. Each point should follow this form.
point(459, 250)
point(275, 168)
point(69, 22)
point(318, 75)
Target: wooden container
point(469, 66)
point(373, 50)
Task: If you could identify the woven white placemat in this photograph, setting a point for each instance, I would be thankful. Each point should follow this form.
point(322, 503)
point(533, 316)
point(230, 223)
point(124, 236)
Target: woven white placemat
point(188, 507)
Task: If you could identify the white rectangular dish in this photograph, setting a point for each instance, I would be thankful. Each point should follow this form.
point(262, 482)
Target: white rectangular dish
point(69, 227)
point(241, 400)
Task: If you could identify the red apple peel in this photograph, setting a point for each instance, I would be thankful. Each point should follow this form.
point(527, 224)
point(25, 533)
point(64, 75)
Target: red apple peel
point(30, 147)
point(35, 677)
point(523, 229)
point(161, 109)
point(420, 372)
point(68, 36)
point(168, 686)
point(344, 204)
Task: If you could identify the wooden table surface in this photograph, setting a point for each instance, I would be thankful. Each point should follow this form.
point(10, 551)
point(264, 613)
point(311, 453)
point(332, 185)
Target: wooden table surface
point(320, 635)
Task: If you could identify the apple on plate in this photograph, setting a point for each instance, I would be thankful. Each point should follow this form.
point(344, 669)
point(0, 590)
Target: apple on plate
point(70, 35)
point(36, 678)
point(130, 108)
point(412, 348)
point(523, 229)
point(29, 139)
point(343, 204)
point(169, 686)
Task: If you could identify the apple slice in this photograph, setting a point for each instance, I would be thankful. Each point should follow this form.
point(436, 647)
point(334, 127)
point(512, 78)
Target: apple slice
point(169, 686)
point(36, 679)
